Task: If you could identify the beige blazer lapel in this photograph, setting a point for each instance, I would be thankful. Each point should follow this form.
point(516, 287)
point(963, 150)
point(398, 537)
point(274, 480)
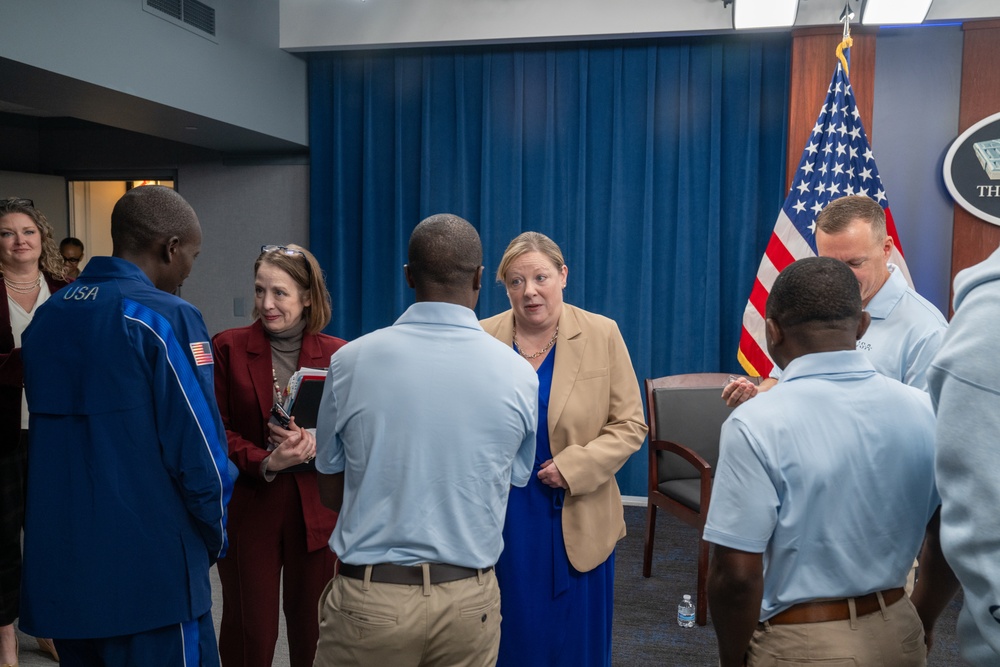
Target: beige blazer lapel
point(569, 355)
point(502, 327)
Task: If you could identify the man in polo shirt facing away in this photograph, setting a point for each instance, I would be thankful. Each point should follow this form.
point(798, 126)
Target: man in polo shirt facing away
point(823, 493)
point(422, 429)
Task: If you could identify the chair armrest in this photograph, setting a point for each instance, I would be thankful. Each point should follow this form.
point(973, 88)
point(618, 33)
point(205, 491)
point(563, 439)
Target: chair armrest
point(703, 467)
point(685, 453)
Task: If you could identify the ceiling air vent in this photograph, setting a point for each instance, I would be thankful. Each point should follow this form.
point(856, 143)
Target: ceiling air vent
point(199, 15)
point(171, 8)
point(192, 15)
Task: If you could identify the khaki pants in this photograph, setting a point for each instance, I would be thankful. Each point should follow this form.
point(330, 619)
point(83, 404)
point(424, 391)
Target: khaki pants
point(391, 625)
point(892, 637)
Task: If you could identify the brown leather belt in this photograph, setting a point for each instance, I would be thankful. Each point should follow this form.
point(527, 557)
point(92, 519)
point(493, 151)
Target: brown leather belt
point(411, 575)
point(834, 610)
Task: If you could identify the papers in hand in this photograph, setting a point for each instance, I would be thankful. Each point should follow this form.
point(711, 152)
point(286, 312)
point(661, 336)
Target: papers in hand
point(302, 395)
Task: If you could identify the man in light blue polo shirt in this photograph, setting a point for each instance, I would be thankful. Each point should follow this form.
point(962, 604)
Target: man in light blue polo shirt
point(422, 429)
point(823, 492)
point(906, 329)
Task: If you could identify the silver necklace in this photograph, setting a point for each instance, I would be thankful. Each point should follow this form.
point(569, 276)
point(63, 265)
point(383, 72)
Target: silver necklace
point(552, 341)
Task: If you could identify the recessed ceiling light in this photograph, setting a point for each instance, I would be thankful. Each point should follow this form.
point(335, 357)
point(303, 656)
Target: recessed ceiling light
point(764, 13)
point(880, 12)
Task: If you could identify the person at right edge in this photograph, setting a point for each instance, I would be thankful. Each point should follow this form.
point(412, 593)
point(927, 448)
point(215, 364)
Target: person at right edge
point(816, 512)
point(127, 471)
point(557, 569)
point(964, 384)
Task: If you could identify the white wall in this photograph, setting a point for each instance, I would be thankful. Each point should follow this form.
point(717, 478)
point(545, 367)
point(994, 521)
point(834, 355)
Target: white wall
point(244, 79)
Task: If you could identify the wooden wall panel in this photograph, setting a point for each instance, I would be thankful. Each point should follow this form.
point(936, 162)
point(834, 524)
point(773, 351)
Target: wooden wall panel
point(974, 239)
point(814, 57)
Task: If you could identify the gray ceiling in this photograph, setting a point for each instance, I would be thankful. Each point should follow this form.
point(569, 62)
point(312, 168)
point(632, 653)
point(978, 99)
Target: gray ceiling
point(29, 91)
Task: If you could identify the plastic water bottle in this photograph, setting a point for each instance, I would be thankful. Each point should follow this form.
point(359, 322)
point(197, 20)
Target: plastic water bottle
point(685, 613)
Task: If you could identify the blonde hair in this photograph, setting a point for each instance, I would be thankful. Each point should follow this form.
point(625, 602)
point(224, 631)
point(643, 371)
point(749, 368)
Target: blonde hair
point(841, 213)
point(50, 261)
point(529, 242)
point(302, 267)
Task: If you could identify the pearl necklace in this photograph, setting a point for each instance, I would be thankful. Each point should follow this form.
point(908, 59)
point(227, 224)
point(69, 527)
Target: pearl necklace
point(25, 287)
point(278, 394)
point(548, 346)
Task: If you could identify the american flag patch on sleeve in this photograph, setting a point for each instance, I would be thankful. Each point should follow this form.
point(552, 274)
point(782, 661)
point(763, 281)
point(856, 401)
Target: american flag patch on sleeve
point(202, 353)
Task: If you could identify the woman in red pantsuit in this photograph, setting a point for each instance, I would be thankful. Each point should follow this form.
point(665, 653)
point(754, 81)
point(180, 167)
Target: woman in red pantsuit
point(276, 521)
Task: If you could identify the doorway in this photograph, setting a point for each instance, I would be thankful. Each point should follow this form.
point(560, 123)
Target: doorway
point(90, 206)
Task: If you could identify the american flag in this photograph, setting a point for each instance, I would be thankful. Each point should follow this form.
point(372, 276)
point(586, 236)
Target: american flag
point(837, 161)
point(202, 353)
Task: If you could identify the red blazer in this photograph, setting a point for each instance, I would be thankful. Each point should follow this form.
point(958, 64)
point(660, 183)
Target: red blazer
point(244, 389)
point(11, 370)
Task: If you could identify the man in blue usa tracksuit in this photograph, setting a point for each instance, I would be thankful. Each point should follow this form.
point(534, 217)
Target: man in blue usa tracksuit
point(128, 479)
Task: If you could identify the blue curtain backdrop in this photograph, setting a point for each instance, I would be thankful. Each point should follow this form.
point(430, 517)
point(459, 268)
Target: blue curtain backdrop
point(657, 166)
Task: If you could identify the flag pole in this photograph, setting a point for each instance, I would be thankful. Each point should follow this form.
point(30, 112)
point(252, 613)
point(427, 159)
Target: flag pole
point(836, 161)
point(846, 42)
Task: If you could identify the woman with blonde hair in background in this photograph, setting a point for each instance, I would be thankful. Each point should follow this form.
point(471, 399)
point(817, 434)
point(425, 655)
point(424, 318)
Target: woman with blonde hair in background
point(32, 270)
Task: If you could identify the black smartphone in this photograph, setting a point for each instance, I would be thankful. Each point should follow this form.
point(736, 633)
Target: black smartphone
point(280, 416)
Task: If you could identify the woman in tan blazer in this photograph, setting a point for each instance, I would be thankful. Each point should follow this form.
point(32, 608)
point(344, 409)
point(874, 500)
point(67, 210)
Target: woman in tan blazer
point(556, 571)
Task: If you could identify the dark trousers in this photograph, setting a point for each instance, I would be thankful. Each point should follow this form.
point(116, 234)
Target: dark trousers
point(189, 644)
point(13, 473)
point(267, 555)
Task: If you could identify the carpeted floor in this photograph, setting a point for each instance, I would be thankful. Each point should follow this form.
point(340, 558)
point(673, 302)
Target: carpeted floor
point(645, 628)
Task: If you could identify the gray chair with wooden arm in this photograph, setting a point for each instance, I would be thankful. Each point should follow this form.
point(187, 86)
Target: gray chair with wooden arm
point(685, 415)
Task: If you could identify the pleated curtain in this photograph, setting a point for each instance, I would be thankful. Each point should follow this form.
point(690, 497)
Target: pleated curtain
point(658, 166)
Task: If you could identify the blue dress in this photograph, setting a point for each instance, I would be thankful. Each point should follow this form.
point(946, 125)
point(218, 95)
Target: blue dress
point(552, 614)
